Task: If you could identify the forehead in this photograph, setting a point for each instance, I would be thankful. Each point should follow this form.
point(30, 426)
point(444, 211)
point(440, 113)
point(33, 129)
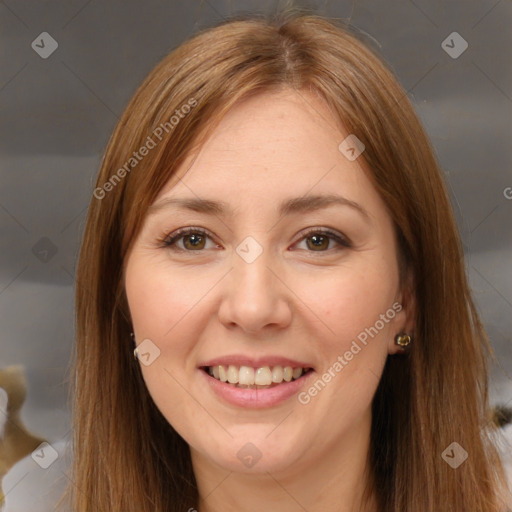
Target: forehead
point(269, 146)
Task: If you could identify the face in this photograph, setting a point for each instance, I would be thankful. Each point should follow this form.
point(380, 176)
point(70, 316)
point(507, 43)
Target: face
point(271, 262)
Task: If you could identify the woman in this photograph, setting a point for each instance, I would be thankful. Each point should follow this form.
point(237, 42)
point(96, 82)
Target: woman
point(271, 233)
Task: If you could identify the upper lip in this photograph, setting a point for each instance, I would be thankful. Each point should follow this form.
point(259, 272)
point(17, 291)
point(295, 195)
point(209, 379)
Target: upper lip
point(255, 362)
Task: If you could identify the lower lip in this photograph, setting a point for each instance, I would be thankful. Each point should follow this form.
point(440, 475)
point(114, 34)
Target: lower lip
point(256, 398)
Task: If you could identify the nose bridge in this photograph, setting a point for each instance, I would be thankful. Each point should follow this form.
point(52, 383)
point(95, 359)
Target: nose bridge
point(254, 298)
point(253, 278)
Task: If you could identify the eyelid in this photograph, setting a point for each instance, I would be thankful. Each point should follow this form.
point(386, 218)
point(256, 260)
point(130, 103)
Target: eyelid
point(338, 237)
point(169, 240)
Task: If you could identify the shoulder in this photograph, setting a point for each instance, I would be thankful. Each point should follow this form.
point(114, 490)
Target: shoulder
point(506, 451)
point(504, 445)
point(38, 481)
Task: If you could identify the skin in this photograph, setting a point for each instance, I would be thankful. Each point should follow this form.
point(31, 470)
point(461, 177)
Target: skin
point(295, 300)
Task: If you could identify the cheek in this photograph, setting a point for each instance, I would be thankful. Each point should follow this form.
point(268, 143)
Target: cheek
point(351, 301)
point(358, 309)
point(159, 300)
point(166, 309)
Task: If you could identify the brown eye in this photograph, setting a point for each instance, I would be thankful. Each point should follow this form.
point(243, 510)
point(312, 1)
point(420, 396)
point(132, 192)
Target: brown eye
point(317, 242)
point(189, 240)
point(194, 242)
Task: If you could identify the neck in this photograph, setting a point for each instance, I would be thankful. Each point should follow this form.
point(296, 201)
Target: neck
point(326, 478)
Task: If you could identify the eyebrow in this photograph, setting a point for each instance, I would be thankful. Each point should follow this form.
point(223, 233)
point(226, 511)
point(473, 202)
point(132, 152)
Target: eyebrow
point(295, 205)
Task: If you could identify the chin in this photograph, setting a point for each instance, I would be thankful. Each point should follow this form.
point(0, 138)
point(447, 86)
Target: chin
point(255, 453)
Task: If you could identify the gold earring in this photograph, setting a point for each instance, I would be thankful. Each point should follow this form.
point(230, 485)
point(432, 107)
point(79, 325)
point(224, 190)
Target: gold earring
point(403, 340)
point(135, 351)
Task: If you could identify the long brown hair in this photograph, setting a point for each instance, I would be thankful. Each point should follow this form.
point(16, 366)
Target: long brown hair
point(126, 455)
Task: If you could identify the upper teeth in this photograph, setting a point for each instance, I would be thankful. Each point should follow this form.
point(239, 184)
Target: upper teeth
point(246, 375)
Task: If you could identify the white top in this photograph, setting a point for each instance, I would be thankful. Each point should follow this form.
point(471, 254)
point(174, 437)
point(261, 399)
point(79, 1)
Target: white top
point(37, 482)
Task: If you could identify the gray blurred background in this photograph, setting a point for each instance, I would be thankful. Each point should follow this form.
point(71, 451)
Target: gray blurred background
point(56, 115)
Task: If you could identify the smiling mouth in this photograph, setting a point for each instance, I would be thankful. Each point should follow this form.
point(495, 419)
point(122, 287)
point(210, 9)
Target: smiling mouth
point(255, 378)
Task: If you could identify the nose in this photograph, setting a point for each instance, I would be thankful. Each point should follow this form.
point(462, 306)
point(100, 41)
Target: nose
point(255, 299)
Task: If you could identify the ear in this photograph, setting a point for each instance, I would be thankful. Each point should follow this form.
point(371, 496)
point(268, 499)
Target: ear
point(405, 319)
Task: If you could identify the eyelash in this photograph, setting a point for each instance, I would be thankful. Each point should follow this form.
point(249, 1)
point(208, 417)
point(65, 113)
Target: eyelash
point(332, 235)
point(169, 241)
